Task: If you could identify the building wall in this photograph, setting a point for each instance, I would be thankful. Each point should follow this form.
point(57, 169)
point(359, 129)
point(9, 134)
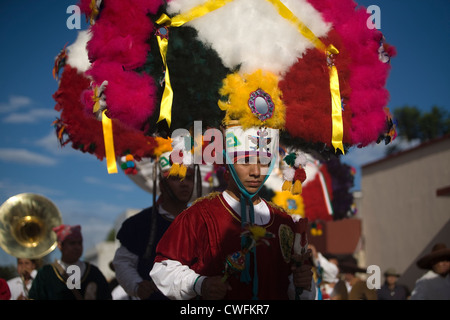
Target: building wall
point(402, 216)
point(101, 256)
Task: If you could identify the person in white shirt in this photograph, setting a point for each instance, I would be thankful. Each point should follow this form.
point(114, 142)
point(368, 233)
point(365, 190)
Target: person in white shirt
point(435, 283)
point(327, 274)
point(20, 285)
point(140, 234)
point(193, 251)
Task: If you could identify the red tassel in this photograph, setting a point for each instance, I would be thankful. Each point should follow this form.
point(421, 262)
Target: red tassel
point(300, 174)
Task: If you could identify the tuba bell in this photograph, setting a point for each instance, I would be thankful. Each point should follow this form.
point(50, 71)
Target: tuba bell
point(26, 222)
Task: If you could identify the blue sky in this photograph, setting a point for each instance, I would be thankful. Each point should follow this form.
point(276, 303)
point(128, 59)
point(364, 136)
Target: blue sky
point(31, 160)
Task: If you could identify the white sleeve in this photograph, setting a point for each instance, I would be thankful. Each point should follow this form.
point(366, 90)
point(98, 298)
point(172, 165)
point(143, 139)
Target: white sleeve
point(125, 264)
point(176, 281)
point(330, 270)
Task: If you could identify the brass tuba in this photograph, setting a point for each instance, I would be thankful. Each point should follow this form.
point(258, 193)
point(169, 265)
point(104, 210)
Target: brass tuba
point(26, 222)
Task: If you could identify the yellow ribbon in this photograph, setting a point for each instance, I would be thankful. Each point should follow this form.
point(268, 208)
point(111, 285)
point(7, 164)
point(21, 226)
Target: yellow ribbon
point(108, 136)
point(167, 98)
point(337, 134)
point(109, 143)
point(336, 107)
point(302, 28)
point(177, 21)
point(192, 14)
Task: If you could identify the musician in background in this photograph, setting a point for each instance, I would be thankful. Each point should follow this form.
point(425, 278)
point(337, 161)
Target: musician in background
point(70, 278)
point(20, 285)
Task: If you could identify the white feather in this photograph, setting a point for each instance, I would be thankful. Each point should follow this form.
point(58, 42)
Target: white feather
point(77, 52)
point(300, 160)
point(288, 173)
point(251, 33)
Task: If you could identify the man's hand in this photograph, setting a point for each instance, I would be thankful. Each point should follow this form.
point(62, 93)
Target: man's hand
point(145, 289)
point(21, 297)
point(302, 270)
point(214, 289)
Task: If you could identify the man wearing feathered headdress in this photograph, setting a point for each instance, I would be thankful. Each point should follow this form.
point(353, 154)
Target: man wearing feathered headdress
point(308, 73)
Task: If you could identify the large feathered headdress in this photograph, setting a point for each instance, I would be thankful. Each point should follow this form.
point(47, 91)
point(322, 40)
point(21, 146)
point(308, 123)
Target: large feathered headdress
point(311, 68)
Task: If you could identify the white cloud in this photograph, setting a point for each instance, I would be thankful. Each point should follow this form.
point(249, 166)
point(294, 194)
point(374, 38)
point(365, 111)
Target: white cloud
point(374, 152)
point(15, 103)
point(362, 156)
point(96, 181)
point(31, 116)
point(96, 218)
point(92, 180)
point(83, 209)
point(20, 109)
point(50, 144)
point(24, 156)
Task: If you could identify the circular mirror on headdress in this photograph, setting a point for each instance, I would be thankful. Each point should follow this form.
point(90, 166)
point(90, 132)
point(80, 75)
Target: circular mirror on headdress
point(261, 104)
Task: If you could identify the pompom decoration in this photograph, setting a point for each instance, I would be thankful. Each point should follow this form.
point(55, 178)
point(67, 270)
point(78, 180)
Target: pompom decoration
point(181, 156)
point(128, 164)
point(326, 193)
point(294, 174)
point(316, 229)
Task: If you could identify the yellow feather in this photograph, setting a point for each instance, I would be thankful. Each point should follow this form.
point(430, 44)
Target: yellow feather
point(174, 170)
point(284, 198)
point(287, 185)
point(297, 188)
point(164, 145)
point(182, 172)
point(238, 89)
